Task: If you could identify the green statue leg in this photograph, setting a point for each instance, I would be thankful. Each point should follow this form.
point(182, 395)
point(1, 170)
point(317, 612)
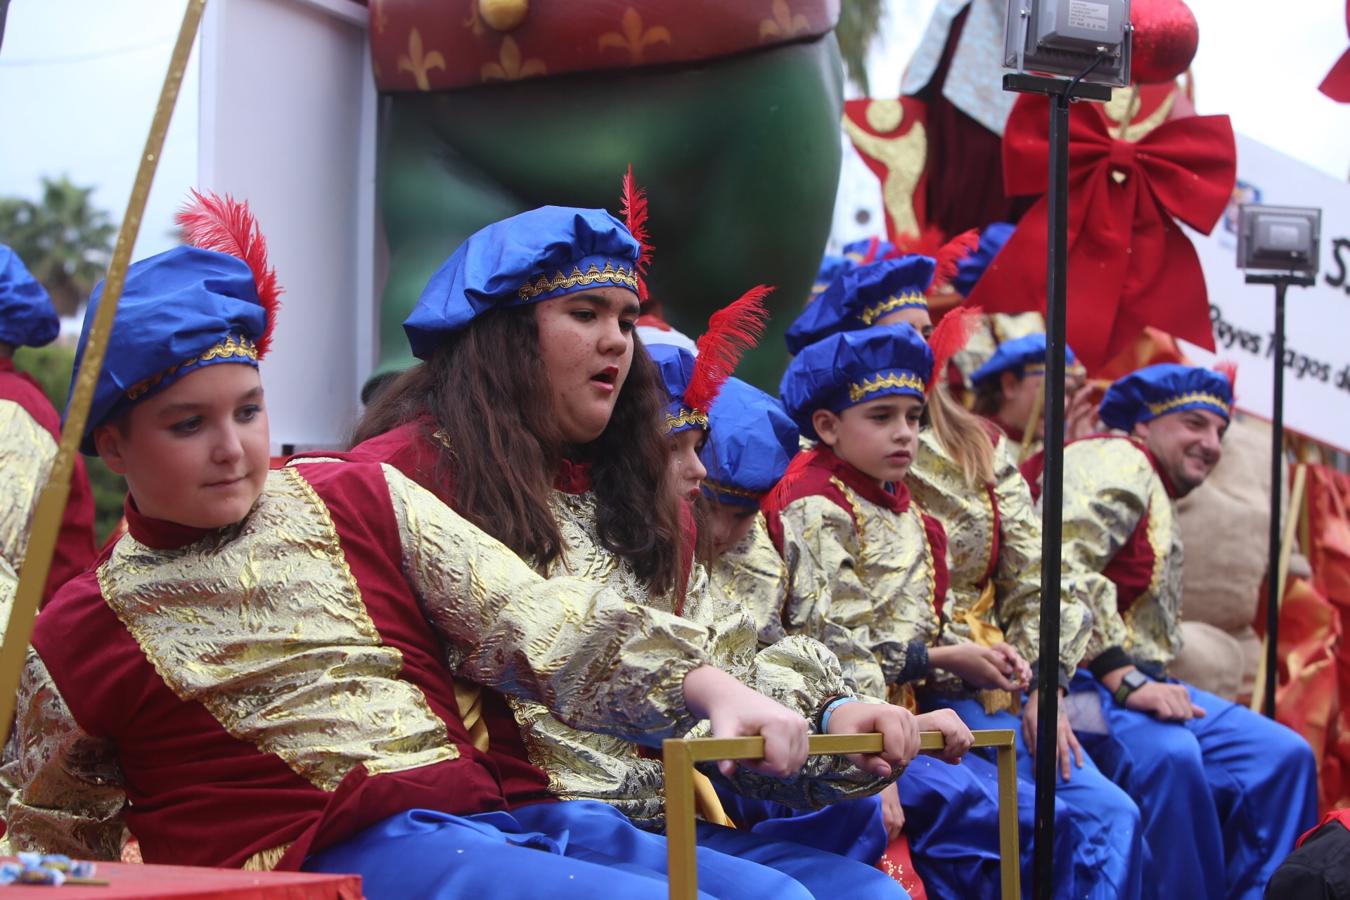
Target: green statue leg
point(740, 158)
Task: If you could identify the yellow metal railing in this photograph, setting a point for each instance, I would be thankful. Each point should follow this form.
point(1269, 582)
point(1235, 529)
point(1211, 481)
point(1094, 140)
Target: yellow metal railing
point(679, 756)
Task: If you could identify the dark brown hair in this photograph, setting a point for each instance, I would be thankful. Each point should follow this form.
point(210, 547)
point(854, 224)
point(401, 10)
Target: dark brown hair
point(485, 388)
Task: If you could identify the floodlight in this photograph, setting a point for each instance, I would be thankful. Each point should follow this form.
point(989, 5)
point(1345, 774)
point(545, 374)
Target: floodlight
point(1068, 37)
point(1279, 238)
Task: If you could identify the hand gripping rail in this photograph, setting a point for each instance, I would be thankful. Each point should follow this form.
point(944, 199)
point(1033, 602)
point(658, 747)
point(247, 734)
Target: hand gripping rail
point(679, 757)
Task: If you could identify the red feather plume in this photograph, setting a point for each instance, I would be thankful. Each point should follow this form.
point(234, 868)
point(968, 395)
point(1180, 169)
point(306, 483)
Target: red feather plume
point(951, 254)
point(926, 243)
point(1228, 369)
point(227, 226)
point(732, 330)
point(634, 209)
point(950, 335)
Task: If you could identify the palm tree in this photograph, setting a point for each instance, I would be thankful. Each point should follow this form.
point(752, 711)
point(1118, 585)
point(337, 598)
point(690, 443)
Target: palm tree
point(63, 239)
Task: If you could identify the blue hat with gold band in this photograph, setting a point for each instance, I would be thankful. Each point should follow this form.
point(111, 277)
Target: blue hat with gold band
point(676, 366)
point(750, 443)
point(1157, 390)
point(1024, 355)
point(830, 269)
point(180, 311)
point(971, 267)
point(852, 367)
point(867, 250)
point(860, 295)
point(530, 257)
point(27, 317)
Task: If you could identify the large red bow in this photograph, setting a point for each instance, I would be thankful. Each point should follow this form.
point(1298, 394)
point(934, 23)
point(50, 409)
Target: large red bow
point(1337, 83)
point(1129, 263)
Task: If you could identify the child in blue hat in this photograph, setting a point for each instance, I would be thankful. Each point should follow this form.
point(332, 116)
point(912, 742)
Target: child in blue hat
point(1224, 793)
point(298, 668)
point(29, 432)
point(538, 413)
point(868, 576)
point(750, 444)
point(1008, 387)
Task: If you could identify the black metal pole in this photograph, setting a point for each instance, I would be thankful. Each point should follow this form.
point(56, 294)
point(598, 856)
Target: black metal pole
point(1276, 488)
point(1053, 494)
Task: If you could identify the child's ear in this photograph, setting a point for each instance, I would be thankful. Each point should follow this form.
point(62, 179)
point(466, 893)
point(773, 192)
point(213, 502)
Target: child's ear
point(826, 425)
point(108, 443)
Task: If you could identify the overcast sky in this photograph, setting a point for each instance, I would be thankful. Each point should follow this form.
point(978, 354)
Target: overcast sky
point(79, 79)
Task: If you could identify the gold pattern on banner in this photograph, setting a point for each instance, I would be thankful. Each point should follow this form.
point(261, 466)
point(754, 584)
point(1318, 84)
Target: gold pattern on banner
point(264, 625)
point(634, 36)
point(885, 116)
point(904, 158)
point(420, 63)
point(510, 66)
point(858, 390)
point(891, 304)
point(229, 348)
point(1124, 106)
point(610, 274)
point(784, 23)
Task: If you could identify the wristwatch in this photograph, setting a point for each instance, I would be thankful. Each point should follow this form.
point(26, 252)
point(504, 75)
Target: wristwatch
point(1133, 681)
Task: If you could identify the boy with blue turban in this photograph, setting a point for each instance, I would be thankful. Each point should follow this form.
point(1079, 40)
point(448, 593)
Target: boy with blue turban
point(1223, 792)
point(269, 670)
point(29, 432)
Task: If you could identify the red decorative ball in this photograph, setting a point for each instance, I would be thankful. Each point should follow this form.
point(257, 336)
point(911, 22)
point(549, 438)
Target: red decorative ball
point(1165, 38)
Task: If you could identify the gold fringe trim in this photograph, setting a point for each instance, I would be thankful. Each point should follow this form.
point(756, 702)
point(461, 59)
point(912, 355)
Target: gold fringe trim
point(229, 348)
point(686, 417)
point(265, 860)
point(610, 274)
point(891, 304)
point(1193, 397)
point(719, 488)
point(859, 390)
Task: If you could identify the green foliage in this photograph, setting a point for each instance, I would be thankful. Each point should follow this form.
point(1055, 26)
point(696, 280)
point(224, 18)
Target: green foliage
point(859, 24)
point(63, 239)
point(51, 367)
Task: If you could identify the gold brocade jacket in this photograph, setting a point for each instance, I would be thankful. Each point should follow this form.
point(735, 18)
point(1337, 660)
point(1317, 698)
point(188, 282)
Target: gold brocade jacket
point(752, 577)
point(1122, 541)
point(26, 454)
point(217, 691)
point(798, 673)
point(995, 588)
point(862, 577)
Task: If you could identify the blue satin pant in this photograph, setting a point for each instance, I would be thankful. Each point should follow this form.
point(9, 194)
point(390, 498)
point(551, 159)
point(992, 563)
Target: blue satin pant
point(579, 850)
point(1223, 798)
point(1107, 848)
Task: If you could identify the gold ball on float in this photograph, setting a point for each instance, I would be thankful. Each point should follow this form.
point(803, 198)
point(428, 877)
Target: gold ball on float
point(503, 15)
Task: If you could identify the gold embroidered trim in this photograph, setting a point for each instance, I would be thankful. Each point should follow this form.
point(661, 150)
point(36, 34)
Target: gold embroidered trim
point(859, 390)
point(229, 348)
point(1033, 369)
point(890, 304)
point(852, 500)
point(265, 860)
point(720, 488)
point(621, 275)
point(686, 417)
point(1193, 397)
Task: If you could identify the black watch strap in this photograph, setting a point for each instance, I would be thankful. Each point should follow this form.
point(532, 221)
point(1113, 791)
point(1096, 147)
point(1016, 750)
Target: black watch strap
point(1132, 682)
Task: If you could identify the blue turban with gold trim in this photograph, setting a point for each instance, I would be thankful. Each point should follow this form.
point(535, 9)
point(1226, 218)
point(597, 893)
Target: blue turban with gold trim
point(27, 318)
point(1165, 388)
point(533, 256)
point(751, 440)
point(676, 366)
point(860, 295)
point(1026, 355)
point(852, 367)
point(971, 267)
point(181, 310)
point(830, 269)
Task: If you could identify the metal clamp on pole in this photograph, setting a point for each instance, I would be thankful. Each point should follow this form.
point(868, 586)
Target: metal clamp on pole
point(679, 757)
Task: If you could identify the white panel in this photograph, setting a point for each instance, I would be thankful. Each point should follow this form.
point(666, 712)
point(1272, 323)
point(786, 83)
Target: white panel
point(287, 122)
point(1317, 324)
